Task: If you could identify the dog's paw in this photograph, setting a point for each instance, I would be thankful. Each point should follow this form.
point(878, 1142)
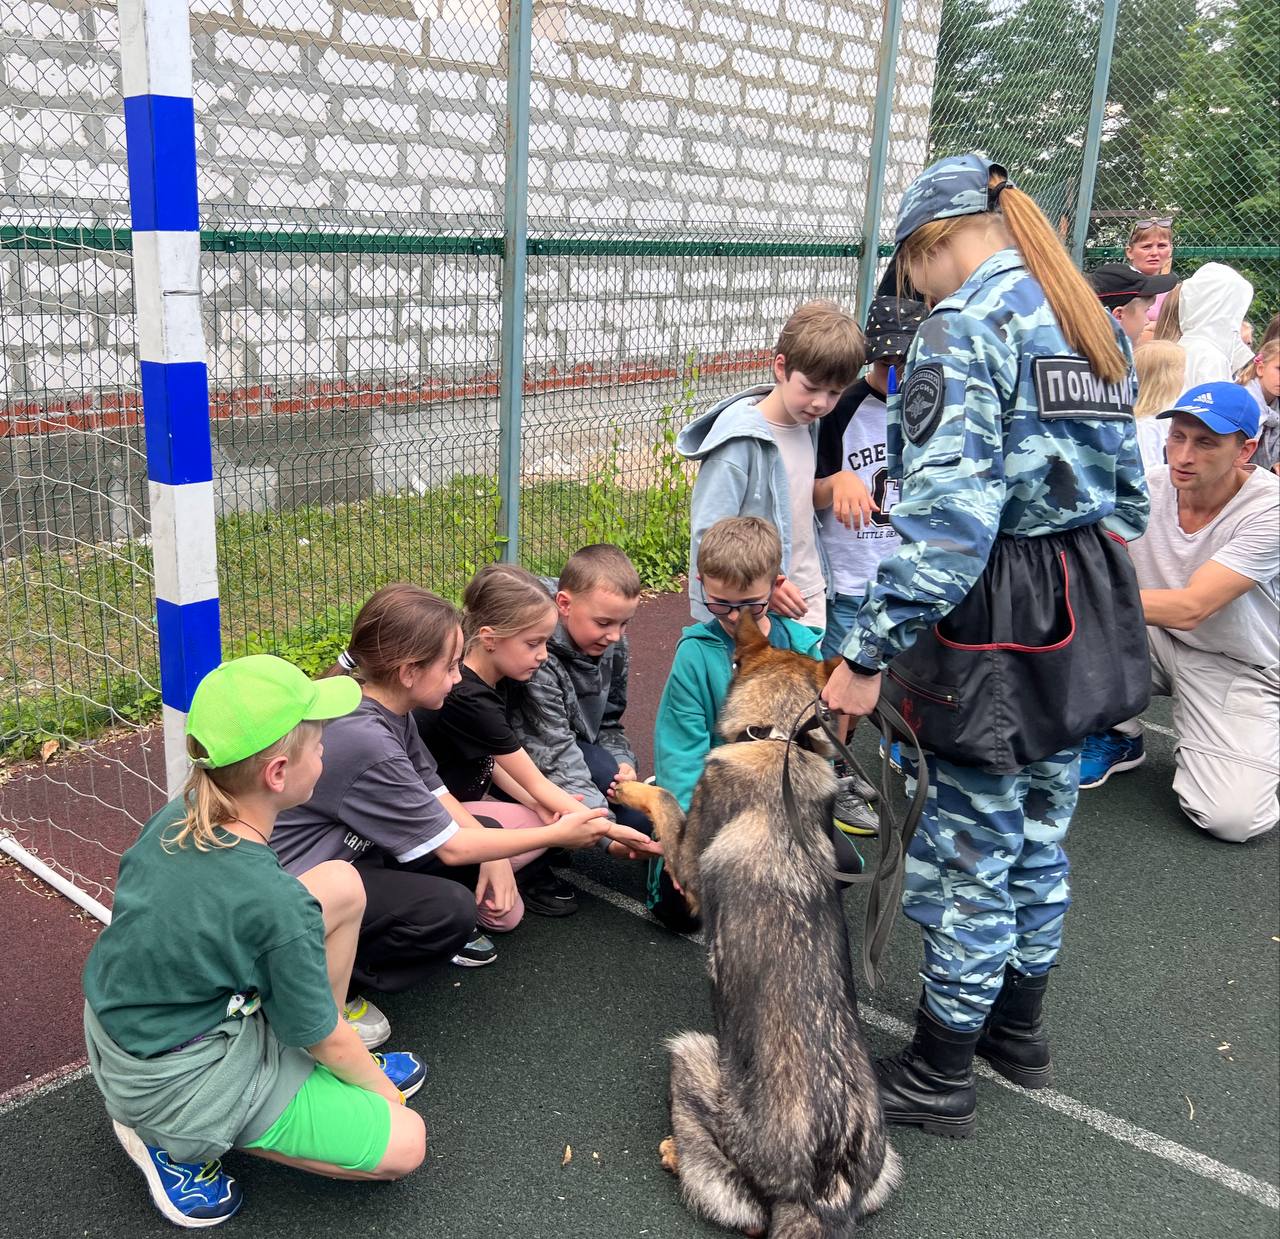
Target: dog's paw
point(667, 1152)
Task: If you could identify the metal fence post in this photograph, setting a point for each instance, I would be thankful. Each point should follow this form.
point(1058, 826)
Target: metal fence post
point(159, 117)
point(874, 203)
point(1093, 137)
point(514, 268)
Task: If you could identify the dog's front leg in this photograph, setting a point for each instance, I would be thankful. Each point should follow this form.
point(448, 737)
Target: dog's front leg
point(663, 810)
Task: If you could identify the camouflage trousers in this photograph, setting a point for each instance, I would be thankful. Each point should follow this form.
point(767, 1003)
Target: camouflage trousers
point(986, 879)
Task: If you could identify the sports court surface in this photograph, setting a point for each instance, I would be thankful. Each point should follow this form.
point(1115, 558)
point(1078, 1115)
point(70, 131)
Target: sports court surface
point(1165, 1120)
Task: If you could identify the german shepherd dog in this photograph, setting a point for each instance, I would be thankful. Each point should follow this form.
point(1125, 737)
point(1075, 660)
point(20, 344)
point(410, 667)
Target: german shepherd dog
point(776, 1119)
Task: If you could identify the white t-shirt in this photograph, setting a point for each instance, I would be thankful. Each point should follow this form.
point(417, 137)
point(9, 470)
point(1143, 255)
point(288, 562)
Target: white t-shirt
point(1153, 434)
point(855, 554)
point(795, 445)
point(1245, 537)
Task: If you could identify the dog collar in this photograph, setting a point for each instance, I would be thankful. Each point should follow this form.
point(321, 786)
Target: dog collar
point(756, 732)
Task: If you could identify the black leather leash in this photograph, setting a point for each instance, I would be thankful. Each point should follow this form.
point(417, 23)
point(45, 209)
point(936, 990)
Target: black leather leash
point(890, 871)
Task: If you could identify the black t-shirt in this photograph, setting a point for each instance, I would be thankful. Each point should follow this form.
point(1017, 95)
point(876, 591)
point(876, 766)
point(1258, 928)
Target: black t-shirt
point(468, 732)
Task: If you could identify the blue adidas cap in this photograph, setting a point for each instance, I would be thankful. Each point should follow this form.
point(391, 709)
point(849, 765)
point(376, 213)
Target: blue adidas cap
point(956, 185)
point(1224, 407)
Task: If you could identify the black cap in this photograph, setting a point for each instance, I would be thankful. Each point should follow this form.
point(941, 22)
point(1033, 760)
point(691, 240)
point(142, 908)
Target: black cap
point(891, 325)
point(1117, 283)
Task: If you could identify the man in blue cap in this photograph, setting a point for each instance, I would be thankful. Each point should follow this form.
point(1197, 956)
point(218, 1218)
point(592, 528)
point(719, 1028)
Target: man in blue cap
point(1209, 569)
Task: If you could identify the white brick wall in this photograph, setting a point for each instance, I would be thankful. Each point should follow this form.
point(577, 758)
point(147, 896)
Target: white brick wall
point(685, 115)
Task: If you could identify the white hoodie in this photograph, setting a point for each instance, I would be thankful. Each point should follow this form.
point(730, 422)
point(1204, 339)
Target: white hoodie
point(1211, 307)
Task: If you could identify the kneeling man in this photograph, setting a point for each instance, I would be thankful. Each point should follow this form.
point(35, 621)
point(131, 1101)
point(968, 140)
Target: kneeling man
point(1209, 570)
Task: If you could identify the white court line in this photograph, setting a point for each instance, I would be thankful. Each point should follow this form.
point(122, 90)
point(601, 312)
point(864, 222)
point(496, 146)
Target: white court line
point(1159, 730)
point(42, 1086)
point(1102, 1122)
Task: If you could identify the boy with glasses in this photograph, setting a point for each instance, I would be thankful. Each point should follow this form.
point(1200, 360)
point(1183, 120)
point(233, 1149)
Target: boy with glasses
point(739, 559)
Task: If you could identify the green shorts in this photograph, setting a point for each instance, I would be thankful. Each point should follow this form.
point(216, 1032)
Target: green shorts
point(333, 1122)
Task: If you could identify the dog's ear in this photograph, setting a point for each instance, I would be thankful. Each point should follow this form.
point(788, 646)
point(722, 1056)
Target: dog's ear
point(749, 641)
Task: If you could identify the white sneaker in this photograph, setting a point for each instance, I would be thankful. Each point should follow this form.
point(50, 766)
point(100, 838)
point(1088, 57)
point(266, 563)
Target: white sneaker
point(374, 1027)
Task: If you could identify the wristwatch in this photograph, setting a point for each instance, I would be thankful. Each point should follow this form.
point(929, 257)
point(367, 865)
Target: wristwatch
point(859, 669)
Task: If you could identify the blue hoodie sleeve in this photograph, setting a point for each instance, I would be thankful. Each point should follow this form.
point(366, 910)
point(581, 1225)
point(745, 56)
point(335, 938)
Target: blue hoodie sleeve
point(684, 728)
point(719, 492)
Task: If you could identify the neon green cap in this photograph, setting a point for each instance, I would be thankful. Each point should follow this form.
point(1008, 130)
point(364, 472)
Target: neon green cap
point(246, 705)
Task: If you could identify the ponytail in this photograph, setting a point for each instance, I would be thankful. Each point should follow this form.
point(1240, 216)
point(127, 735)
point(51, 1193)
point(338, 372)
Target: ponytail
point(1086, 325)
point(400, 624)
point(1252, 369)
point(1075, 305)
point(210, 795)
point(505, 598)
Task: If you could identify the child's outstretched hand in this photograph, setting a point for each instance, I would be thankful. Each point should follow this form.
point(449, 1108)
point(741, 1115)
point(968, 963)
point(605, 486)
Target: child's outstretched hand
point(630, 844)
point(583, 828)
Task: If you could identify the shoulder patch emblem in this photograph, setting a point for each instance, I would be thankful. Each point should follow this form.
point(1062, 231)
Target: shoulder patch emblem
point(922, 402)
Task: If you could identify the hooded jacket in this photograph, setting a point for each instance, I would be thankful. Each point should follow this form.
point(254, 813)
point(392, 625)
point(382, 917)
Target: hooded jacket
point(740, 473)
point(684, 731)
point(575, 698)
point(1211, 307)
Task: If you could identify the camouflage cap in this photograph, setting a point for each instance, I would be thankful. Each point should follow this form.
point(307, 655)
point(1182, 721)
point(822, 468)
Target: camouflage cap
point(956, 185)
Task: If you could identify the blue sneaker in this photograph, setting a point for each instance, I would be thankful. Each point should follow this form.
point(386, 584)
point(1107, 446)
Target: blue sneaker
point(1108, 753)
point(895, 756)
point(187, 1194)
point(406, 1071)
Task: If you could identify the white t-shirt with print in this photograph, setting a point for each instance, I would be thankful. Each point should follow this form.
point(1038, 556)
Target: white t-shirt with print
point(1245, 537)
point(855, 554)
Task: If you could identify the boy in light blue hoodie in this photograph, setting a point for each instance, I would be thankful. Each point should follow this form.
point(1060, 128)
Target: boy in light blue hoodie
point(738, 562)
point(757, 450)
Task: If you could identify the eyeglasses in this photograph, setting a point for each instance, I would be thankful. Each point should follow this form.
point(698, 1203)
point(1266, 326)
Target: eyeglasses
point(1143, 224)
point(718, 606)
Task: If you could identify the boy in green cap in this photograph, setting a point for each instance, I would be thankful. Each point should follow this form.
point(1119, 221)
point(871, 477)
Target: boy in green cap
point(212, 1012)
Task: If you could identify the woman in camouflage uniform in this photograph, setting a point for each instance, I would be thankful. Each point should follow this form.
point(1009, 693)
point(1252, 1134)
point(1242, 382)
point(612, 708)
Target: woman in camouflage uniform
point(1008, 620)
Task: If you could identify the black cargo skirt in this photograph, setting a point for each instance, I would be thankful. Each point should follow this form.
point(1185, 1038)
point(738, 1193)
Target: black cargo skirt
point(1048, 647)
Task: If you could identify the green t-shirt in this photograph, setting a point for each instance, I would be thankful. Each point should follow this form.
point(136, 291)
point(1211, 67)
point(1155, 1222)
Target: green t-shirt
point(194, 936)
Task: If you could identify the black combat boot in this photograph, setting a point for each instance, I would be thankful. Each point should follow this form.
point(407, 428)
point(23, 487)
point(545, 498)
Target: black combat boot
point(930, 1083)
point(1014, 1040)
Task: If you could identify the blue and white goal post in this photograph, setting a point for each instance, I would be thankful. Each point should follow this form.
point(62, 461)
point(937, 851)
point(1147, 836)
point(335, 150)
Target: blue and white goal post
point(155, 53)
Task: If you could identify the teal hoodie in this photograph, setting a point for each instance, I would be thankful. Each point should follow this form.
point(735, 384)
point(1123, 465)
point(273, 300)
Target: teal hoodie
point(740, 473)
point(685, 730)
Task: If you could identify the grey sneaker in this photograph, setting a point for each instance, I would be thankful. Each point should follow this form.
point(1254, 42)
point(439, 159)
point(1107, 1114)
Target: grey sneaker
point(854, 782)
point(477, 953)
point(853, 815)
point(374, 1027)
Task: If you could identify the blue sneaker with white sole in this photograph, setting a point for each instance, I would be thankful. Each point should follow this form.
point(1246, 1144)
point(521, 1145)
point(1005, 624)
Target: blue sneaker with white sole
point(188, 1194)
point(1108, 753)
point(406, 1071)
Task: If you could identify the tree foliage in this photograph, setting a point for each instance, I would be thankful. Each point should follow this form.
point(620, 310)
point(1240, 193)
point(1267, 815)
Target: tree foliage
point(1192, 125)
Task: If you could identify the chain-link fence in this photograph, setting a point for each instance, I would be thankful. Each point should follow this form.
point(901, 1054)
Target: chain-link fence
point(695, 169)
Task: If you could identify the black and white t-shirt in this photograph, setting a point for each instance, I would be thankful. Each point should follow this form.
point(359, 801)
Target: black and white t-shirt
point(468, 732)
point(379, 789)
point(852, 437)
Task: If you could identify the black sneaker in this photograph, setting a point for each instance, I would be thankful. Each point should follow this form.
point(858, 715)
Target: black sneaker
point(546, 896)
point(555, 886)
point(477, 953)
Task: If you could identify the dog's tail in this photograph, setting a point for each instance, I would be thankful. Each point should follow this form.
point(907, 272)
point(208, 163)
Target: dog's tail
point(656, 803)
point(794, 1221)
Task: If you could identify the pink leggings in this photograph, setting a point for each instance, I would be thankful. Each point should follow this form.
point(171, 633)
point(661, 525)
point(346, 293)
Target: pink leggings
point(510, 817)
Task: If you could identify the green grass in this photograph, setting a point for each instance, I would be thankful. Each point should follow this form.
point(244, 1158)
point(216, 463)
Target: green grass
point(79, 623)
